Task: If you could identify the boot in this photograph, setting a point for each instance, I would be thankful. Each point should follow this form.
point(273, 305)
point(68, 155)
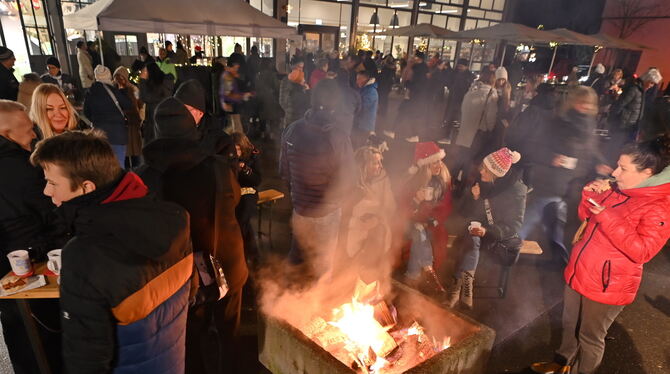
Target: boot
point(431, 282)
point(468, 288)
point(454, 292)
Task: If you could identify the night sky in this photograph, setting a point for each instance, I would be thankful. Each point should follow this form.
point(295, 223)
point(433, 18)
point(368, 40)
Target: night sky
point(579, 15)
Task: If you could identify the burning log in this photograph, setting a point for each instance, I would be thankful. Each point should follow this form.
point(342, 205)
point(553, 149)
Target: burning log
point(384, 315)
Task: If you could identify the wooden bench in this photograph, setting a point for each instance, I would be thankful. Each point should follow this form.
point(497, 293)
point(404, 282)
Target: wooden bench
point(267, 198)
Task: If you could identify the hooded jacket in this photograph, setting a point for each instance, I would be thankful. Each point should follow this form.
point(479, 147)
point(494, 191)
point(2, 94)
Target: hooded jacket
point(99, 107)
point(317, 161)
point(367, 117)
point(125, 281)
point(179, 170)
point(23, 206)
point(606, 264)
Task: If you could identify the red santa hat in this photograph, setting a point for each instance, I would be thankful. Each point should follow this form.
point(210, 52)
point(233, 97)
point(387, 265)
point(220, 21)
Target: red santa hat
point(500, 161)
point(425, 154)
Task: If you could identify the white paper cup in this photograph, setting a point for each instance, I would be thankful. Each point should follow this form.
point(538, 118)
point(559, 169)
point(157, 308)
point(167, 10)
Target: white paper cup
point(54, 262)
point(20, 262)
point(474, 225)
point(429, 193)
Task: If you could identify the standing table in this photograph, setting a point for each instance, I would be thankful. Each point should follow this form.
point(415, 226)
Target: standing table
point(50, 291)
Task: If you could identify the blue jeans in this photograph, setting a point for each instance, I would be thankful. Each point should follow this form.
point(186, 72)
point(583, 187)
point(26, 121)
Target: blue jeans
point(554, 211)
point(420, 253)
point(120, 153)
point(470, 259)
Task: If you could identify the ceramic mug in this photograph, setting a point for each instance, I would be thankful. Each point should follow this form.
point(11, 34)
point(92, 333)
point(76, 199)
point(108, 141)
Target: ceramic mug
point(54, 261)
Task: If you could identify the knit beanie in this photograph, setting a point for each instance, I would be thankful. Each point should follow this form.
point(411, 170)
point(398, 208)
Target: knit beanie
point(53, 61)
point(652, 75)
point(191, 93)
point(426, 153)
point(500, 161)
point(462, 61)
point(122, 71)
point(5, 53)
point(102, 74)
point(174, 121)
point(600, 69)
point(501, 73)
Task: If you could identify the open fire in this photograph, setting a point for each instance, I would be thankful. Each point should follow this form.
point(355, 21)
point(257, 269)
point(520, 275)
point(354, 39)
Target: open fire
point(366, 335)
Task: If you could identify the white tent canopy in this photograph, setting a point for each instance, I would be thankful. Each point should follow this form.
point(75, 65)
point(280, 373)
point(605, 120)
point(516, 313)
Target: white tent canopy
point(197, 17)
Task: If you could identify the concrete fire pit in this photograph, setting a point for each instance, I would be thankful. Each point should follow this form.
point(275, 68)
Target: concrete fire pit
point(283, 349)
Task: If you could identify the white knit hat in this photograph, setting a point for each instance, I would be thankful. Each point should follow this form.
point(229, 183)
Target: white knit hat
point(501, 73)
point(652, 75)
point(102, 74)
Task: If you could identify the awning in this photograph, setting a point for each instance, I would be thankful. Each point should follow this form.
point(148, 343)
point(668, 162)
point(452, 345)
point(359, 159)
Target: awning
point(197, 17)
point(577, 38)
point(513, 33)
point(422, 30)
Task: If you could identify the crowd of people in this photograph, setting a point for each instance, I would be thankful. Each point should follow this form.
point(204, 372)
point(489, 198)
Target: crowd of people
point(151, 194)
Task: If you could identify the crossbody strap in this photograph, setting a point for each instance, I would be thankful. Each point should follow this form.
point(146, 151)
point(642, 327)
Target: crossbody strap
point(489, 214)
point(116, 102)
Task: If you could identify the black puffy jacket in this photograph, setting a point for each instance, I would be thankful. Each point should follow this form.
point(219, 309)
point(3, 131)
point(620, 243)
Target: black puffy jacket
point(628, 110)
point(23, 207)
point(317, 161)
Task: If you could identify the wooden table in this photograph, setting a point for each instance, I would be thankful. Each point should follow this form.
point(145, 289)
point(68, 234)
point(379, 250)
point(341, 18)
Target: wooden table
point(50, 291)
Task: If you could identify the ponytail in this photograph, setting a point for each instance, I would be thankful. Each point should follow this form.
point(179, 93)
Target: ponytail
point(653, 154)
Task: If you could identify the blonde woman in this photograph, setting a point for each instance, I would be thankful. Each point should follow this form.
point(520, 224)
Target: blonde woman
point(52, 112)
point(428, 205)
point(370, 213)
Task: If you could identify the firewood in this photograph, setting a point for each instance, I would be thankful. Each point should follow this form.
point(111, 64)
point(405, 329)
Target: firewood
point(384, 315)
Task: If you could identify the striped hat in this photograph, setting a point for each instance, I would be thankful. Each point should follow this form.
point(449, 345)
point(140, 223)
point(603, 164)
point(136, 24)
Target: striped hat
point(500, 161)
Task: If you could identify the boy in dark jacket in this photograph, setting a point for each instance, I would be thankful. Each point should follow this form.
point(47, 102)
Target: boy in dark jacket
point(495, 208)
point(125, 277)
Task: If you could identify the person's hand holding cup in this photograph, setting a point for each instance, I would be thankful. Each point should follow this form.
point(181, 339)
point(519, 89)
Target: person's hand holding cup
point(476, 229)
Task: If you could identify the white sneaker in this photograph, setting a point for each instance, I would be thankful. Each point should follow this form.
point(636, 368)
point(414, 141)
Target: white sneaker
point(413, 139)
point(390, 134)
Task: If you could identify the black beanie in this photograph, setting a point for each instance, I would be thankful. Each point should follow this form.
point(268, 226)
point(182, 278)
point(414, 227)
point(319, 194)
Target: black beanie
point(462, 61)
point(326, 95)
point(5, 53)
point(174, 121)
point(191, 93)
point(53, 61)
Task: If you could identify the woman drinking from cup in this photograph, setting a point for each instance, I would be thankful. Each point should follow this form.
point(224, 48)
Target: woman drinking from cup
point(626, 225)
point(429, 206)
point(494, 209)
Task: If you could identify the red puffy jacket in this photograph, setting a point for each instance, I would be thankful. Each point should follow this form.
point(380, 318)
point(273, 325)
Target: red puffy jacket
point(606, 264)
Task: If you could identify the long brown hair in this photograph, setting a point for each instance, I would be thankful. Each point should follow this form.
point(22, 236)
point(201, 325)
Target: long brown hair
point(244, 143)
point(38, 109)
point(423, 176)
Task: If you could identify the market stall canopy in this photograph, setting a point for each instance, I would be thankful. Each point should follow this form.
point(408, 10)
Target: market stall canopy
point(422, 30)
point(511, 32)
point(614, 42)
point(197, 17)
point(577, 38)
